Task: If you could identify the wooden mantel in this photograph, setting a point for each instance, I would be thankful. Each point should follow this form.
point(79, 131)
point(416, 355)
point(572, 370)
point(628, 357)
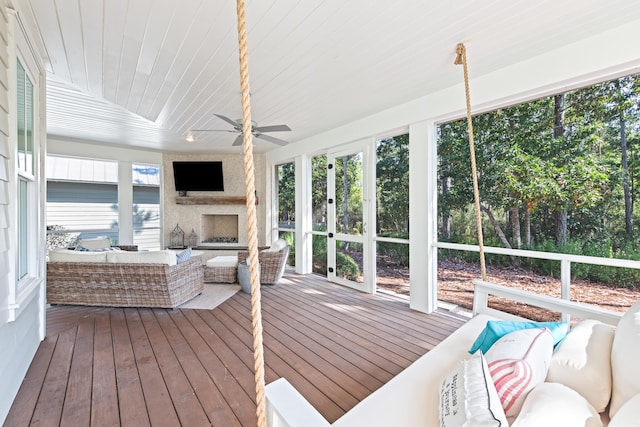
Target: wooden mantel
point(212, 200)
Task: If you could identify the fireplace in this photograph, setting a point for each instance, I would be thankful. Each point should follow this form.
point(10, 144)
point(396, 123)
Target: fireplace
point(216, 229)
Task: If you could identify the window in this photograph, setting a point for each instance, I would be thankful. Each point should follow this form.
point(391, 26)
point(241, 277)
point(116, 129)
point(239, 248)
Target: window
point(25, 167)
point(146, 206)
point(286, 174)
point(82, 202)
point(392, 213)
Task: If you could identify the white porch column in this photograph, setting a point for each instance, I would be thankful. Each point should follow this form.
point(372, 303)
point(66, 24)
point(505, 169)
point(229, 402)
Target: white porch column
point(304, 249)
point(125, 203)
point(423, 210)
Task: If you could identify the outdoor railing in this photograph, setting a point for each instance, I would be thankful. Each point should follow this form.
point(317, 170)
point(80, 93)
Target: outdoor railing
point(565, 260)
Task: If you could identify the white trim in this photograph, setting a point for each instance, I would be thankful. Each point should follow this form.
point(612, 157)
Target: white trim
point(125, 202)
point(423, 207)
point(303, 241)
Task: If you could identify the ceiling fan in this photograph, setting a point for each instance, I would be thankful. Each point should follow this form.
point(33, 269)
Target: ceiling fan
point(257, 131)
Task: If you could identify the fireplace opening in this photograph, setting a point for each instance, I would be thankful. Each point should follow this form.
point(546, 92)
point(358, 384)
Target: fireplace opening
point(216, 228)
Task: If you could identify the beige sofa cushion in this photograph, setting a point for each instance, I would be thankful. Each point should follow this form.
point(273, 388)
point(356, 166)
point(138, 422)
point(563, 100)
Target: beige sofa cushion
point(65, 255)
point(150, 257)
point(95, 244)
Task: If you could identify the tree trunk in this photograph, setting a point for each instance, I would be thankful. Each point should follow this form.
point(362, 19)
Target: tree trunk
point(527, 225)
point(628, 208)
point(496, 226)
point(558, 133)
point(561, 227)
point(515, 226)
point(498, 230)
point(446, 218)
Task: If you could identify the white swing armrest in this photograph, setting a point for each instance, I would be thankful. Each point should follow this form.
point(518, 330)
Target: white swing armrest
point(286, 407)
point(483, 289)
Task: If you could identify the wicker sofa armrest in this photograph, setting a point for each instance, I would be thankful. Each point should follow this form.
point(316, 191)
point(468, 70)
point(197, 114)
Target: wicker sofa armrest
point(272, 264)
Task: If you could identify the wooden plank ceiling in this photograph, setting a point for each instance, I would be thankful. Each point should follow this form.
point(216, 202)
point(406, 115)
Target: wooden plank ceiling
point(315, 65)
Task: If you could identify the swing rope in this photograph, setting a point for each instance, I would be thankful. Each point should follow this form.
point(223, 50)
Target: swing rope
point(461, 59)
point(249, 176)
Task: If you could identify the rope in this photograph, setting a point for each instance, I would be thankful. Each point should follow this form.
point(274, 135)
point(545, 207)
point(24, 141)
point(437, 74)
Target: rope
point(249, 176)
point(461, 59)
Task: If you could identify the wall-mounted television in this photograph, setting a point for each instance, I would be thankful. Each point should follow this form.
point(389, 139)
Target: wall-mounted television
point(198, 176)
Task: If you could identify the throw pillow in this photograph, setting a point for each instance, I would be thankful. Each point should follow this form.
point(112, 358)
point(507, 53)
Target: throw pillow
point(96, 243)
point(277, 246)
point(552, 404)
point(518, 362)
point(183, 255)
point(625, 353)
point(582, 361)
point(82, 249)
point(496, 329)
point(468, 396)
point(628, 415)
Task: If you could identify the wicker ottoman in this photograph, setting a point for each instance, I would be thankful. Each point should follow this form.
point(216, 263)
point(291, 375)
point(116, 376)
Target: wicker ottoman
point(221, 269)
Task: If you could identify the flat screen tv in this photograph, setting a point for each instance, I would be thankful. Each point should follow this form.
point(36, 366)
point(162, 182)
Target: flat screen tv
point(198, 176)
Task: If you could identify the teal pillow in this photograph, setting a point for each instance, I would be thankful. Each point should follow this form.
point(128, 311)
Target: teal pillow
point(496, 329)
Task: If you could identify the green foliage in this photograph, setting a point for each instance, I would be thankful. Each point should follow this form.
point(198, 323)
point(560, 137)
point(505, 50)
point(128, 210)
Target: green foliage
point(392, 185)
point(347, 267)
point(58, 237)
point(526, 165)
point(398, 253)
point(286, 193)
point(290, 238)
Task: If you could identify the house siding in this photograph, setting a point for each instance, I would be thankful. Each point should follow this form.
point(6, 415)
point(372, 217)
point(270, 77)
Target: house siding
point(21, 315)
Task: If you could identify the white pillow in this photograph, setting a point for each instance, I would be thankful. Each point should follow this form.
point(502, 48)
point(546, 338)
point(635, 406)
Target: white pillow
point(628, 415)
point(468, 397)
point(553, 404)
point(582, 361)
point(65, 255)
point(518, 362)
point(625, 353)
point(277, 246)
point(95, 244)
point(151, 257)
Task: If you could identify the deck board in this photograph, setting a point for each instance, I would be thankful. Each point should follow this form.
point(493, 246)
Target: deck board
point(136, 367)
point(77, 403)
point(153, 386)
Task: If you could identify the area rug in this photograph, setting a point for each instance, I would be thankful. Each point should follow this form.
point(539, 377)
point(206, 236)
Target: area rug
point(211, 296)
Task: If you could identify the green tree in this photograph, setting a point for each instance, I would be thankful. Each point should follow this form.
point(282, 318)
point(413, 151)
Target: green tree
point(286, 193)
point(392, 185)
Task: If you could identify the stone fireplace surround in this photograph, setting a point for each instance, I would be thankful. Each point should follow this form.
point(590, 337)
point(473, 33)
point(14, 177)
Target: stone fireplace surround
point(190, 216)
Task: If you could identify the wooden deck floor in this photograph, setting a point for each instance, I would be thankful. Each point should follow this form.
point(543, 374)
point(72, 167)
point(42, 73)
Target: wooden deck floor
point(141, 367)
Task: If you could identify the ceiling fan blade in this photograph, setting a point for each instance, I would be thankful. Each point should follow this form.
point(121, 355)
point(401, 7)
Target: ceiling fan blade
point(212, 130)
point(271, 139)
point(274, 128)
point(238, 140)
point(226, 119)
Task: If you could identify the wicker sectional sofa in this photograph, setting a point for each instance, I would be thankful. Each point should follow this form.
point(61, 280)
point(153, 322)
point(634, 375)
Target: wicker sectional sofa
point(107, 279)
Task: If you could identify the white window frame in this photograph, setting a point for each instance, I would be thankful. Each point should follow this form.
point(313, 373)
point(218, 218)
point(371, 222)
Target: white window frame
point(23, 289)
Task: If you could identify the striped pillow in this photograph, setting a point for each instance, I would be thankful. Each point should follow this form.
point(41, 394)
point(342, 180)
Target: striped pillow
point(183, 256)
point(518, 362)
